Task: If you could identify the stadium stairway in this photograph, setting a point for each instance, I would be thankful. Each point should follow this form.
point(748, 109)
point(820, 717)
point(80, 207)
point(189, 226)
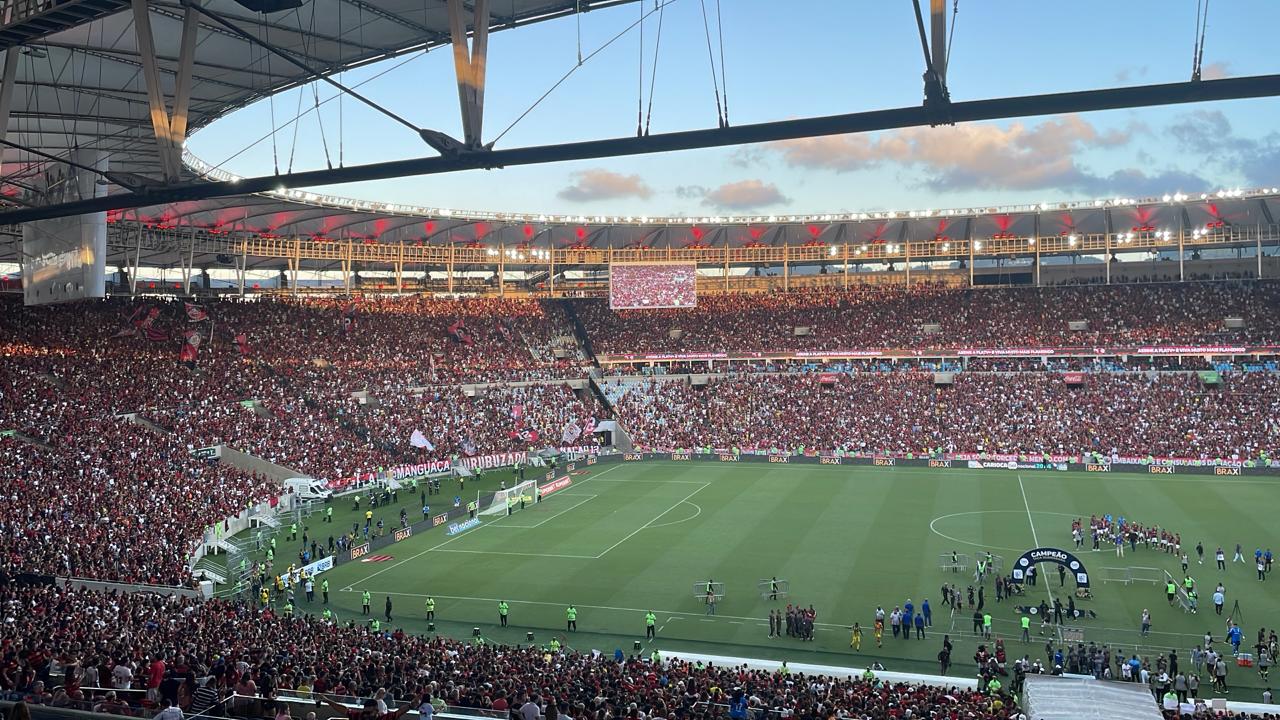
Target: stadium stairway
point(580, 331)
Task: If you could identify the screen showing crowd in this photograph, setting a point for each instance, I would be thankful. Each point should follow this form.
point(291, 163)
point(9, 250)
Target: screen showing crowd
point(664, 285)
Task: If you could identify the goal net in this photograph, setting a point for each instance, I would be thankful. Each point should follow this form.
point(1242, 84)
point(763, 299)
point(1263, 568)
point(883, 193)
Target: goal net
point(525, 491)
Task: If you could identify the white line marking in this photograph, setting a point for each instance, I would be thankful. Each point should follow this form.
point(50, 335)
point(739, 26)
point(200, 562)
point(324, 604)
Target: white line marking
point(546, 520)
point(1034, 538)
point(685, 520)
point(367, 578)
point(645, 526)
point(524, 554)
point(673, 615)
point(648, 480)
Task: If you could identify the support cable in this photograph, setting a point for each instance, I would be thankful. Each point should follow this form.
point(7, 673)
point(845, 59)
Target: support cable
point(715, 83)
point(574, 69)
point(724, 83)
point(653, 74)
point(951, 35)
point(640, 82)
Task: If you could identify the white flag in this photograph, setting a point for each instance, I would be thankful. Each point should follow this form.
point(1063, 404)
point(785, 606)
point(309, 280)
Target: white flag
point(419, 440)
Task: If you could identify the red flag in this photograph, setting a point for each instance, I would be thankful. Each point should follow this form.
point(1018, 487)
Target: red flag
point(154, 334)
point(457, 331)
point(146, 320)
point(195, 313)
point(190, 346)
point(242, 343)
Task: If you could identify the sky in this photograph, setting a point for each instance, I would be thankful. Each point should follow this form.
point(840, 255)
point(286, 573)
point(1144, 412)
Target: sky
point(800, 58)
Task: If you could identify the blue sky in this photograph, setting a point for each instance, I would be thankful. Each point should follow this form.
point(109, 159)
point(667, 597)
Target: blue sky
point(796, 58)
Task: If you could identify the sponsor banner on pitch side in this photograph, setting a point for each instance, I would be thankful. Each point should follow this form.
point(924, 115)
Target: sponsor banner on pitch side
point(555, 485)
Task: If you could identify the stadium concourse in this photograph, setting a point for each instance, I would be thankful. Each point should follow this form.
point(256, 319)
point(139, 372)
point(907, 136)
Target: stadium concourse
point(103, 404)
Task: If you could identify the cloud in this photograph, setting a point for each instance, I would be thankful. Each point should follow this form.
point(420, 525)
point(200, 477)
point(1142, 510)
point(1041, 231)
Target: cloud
point(1124, 75)
point(745, 195)
point(1208, 134)
point(691, 192)
point(989, 157)
point(1215, 71)
point(600, 184)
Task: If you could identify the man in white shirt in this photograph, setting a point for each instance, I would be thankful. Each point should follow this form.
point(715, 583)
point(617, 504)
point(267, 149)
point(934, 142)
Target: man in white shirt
point(168, 711)
point(121, 676)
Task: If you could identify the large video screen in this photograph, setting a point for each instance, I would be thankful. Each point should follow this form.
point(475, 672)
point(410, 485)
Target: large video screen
point(65, 258)
point(636, 286)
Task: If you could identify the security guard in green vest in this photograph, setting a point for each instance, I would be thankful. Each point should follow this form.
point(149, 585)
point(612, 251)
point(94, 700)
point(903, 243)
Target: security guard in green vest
point(293, 531)
point(273, 543)
point(324, 590)
point(555, 645)
point(364, 602)
point(375, 625)
point(649, 620)
point(328, 514)
point(655, 657)
point(502, 612)
point(1026, 628)
point(571, 615)
point(327, 614)
point(1170, 590)
point(288, 609)
point(271, 552)
point(431, 608)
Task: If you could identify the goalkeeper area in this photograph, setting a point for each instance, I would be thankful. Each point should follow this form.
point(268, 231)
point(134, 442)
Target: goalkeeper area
point(508, 500)
point(627, 538)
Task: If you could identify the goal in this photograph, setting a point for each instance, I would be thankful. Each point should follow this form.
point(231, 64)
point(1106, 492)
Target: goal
point(526, 490)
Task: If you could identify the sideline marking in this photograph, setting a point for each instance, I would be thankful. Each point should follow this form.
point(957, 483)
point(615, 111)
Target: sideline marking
point(655, 519)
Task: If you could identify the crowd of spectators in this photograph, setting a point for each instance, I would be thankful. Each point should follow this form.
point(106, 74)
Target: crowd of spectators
point(146, 649)
point(938, 317)
point(497, 418)
point(653, 286)
point(113, 501)
point(1129, 415)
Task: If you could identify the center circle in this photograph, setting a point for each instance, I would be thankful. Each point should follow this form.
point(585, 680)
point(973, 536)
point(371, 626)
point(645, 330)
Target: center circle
point(933, 526)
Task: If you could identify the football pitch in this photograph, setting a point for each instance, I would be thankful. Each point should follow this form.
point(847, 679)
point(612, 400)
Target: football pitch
point(628, 538)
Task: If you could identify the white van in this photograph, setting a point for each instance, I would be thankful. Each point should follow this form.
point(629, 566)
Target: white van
point(306, 488)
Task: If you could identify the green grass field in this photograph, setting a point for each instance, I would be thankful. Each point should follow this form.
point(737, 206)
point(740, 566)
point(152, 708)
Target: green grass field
point(628, 538)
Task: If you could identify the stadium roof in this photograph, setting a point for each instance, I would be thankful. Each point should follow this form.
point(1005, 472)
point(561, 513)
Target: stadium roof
point(80, 72)
point(80, 82)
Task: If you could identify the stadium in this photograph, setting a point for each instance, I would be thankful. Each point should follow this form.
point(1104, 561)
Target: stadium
point(287, 432)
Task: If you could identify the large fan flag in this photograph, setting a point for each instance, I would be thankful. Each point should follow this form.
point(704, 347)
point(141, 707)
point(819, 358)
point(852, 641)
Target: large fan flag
point(349, 316)
point(190, 347)
point(419, 440)
point(242, 344)
point(570, 433)
point(195, 313)
point(458, 331)
point(144, 320)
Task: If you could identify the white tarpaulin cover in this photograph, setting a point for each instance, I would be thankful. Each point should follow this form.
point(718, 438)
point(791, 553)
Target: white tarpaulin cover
point(1046, 697)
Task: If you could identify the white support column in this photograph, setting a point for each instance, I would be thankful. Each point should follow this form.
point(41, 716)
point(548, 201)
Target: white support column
point(6, 89)
point(469, 66)
point(182, 87)
point(137, 254)
point(155, 95)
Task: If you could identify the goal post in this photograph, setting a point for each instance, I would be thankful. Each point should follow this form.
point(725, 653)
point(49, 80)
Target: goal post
point(525, 492)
